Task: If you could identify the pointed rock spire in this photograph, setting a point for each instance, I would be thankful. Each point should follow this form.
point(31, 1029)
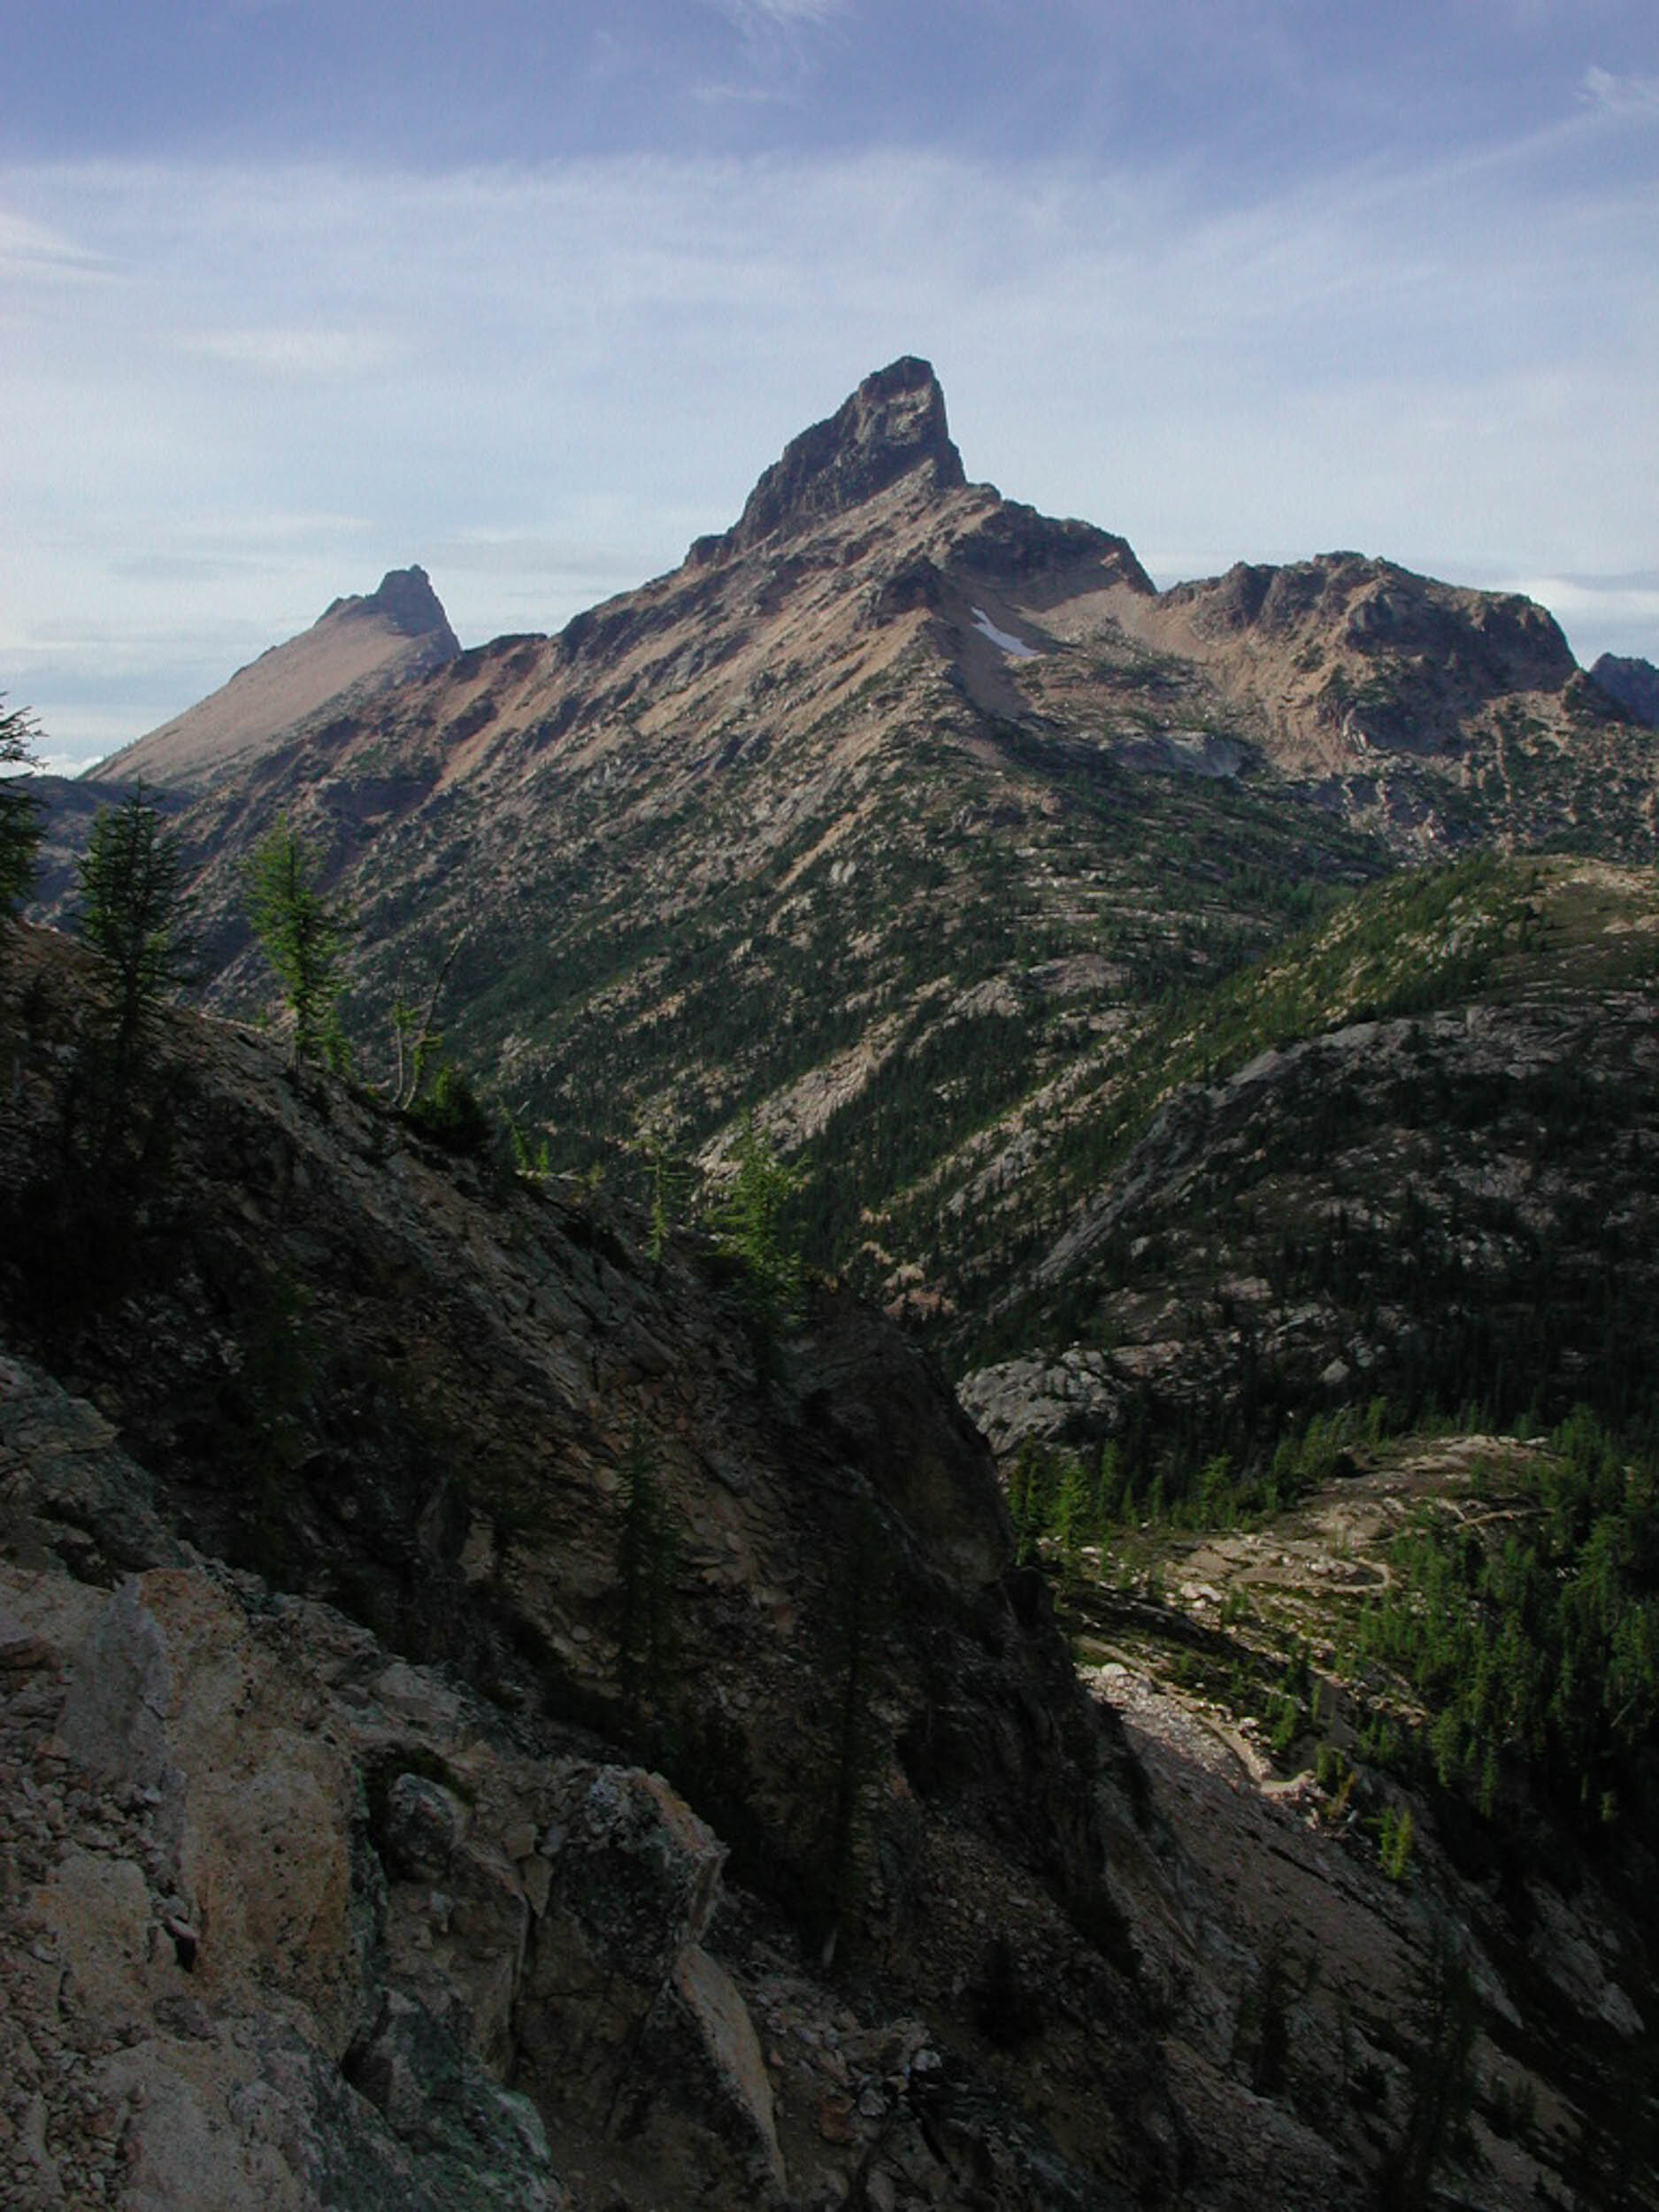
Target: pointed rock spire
point(892, 426)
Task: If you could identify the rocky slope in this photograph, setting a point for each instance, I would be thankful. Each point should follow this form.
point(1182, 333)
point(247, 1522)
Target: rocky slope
point(326, 1659)
point(356, 649)
point(423, 1399)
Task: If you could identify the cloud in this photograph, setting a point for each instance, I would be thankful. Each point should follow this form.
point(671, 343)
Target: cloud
point(35, 250)
point(1622, 96)
point(752, 15)
point(286, 353)
point(779, 55)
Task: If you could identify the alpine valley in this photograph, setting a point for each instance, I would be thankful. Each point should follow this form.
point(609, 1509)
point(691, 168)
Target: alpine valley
point(1131, 1680)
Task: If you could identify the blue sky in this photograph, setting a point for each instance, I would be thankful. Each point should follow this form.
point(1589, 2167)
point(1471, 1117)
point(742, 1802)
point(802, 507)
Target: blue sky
point(290, 294)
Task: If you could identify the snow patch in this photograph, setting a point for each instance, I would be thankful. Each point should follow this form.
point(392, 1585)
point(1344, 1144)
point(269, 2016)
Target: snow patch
point(1015, 647)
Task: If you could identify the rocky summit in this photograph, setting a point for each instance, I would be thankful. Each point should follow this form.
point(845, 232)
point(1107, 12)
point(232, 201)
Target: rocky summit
point(892, 426)
point(927, 1479)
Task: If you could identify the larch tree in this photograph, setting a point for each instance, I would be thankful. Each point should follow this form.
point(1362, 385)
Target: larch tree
point(302, 932)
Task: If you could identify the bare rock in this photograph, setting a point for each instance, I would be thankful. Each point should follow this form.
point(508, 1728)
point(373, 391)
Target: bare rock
point(424, 1825)
point(632, 1888)
point(893, 424)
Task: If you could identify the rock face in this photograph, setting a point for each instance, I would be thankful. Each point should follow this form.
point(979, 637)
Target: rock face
point(356, 648)
point(1633, 682)
point(893, 425)
point(1344, 656)
point(296, 1967)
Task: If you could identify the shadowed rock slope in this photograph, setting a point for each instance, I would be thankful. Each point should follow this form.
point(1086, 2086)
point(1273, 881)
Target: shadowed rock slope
point(1633, 682)
point(373, 1523)
point(372, 1855)
point(1415, 1154)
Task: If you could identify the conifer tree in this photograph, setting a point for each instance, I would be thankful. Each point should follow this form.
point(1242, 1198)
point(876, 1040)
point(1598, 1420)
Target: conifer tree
point(751, 1221)
point(19, 814)
point(135, 914)
point(303, 933)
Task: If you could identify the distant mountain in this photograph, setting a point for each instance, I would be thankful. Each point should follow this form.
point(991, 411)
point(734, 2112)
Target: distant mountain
point(898, 814)
point(1633, 682)
point(356, 648)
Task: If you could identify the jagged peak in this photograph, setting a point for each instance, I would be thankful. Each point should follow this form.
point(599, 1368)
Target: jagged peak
point(893, 426)
point(404, 599)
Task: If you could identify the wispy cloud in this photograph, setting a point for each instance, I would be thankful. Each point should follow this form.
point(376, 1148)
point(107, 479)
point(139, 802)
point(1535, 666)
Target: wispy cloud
point(774, 15)
point(779, 48)
point(35, 250)
point(295, 353)
point(1622, 94)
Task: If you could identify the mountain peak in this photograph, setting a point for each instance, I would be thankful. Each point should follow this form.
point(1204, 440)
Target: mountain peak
point(403, 601)
point(893, 426)
point(358, 647)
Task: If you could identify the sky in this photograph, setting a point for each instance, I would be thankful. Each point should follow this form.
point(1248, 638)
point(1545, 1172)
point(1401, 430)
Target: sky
point(292, 293)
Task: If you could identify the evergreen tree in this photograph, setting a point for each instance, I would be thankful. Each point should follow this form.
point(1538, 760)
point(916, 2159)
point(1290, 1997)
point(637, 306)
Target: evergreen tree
point(751, 1221)
point(1071, 1515)
point(134, 913)
point(19, 813)
point(304, 935)
point(669, 1178)
point(1442, 2081)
